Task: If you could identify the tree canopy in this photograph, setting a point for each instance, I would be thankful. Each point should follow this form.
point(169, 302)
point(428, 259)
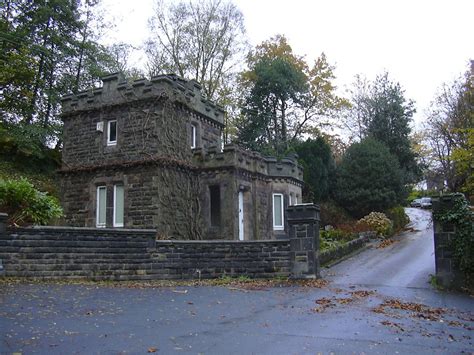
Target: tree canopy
point(380, 110)
point(449, 128)
point(369, 179)
point(319, 168)
point(49, 48)
point(284, 98)
point(199, 40)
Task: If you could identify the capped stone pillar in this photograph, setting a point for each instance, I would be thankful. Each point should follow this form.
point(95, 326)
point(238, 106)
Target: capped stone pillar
point(303, 223)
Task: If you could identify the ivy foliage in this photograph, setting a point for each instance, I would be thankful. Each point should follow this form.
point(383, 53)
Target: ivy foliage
point(461, 217)
point(25, 205)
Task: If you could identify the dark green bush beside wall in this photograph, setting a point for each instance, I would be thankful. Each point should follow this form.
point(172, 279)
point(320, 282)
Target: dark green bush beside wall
point(26, 205)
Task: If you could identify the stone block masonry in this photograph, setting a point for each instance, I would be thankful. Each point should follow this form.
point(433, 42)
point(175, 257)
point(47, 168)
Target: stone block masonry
point(303, 222)
point(212, 259)
point(448, 273)
point(111, 254)
point(135, 254)
point(76, 253)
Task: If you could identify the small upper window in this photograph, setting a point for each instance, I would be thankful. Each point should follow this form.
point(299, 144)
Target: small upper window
point(193, 136)
point(112, 133)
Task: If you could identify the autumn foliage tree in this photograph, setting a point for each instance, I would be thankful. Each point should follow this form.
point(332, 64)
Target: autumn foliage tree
point(449, 127)
point(283, 98)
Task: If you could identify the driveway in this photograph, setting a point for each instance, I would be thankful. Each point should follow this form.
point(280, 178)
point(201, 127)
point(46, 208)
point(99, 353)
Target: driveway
point(377, 302)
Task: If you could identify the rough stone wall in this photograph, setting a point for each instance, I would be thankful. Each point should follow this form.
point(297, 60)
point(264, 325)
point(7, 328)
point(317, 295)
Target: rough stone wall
point(166, 183)
point(258, 178)
point(118, 254)
point(448, 273)
point(346, 249)
point(228, 207)
point(76, 253)
point(144, 129)
point(191, 260)
point(156, 196)
point(303, 221)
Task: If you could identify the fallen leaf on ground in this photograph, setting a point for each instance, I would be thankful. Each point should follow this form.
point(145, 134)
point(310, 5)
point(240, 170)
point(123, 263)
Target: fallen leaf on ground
point(385, 243)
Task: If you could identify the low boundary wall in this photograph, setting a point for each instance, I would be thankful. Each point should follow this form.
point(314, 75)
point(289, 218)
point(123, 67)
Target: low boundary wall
point(134, 254)
point(327, 256)
point(111, 254)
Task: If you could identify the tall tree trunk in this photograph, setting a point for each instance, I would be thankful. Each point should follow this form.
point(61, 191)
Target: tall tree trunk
point(39, 75)
point(283, 125)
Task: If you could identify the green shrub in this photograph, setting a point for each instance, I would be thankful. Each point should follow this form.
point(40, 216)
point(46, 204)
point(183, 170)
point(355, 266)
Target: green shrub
point(398, 217)
point(330, 239)
point(369, 179)
point(25, 204)
point(334, 215)
point(378, 222)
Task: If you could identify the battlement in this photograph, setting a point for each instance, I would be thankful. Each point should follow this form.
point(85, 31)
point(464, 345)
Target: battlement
point(116, 91)
point(234, 156)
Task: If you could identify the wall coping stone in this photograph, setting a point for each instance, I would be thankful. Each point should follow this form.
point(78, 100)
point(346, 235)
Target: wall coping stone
point(301, 213)
point(84, 229)
point(239, 242)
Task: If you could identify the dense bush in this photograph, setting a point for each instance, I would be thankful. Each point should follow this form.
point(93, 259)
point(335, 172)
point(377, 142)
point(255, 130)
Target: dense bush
point(330, 239)
point(369, 179)
point(398, 217)
point(378, 222)
point(334, 215)
point(25, 204)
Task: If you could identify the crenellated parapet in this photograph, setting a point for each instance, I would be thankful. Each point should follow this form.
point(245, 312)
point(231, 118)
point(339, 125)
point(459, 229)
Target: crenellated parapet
point(118, 91)
point(235, 157)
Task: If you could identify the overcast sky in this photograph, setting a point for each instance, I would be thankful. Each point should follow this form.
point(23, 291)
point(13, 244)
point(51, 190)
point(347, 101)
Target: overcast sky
point(421, 43)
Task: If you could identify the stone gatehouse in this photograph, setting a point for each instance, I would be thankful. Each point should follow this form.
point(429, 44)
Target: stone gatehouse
point(148, 154)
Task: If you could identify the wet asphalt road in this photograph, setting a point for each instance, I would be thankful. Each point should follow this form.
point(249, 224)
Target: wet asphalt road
point(408, 262)
point(377, 302)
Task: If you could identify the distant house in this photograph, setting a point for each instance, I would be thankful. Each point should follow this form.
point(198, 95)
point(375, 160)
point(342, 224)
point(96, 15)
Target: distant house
point(147, 154)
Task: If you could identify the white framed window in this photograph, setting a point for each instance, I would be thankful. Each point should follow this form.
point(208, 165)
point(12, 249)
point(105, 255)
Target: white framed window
point(118, 205)
point(193, 136)
point(101, 206)
point(278, 222)
point(112, 132)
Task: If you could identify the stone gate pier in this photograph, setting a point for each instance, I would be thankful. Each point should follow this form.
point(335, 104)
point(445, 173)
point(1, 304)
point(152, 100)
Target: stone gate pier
point(303, 224)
